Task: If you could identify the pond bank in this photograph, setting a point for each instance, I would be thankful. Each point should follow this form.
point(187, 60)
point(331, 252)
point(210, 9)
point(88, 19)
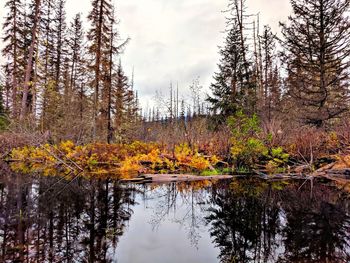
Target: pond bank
point(173, 178)
point(340, 180)
point(165, 178)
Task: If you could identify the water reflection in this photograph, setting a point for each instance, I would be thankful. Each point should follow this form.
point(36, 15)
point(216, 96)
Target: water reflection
point(185, 202)
point(317, 229)
point(257, 222)
point(52, 220)
point(48, 219)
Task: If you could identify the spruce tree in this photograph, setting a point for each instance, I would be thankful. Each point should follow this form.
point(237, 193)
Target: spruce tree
point(29, 61)
point(76, 90)
point(99, 38)
point(48, 60)
point(227, 89)
point(2, 104)
point(232, 87)
point(270, 94)
point(122, 88)
point(32, 19)
point(268, 46)
point(3, 118)
point(317, 44)
point(13, 30)
point(59, 40)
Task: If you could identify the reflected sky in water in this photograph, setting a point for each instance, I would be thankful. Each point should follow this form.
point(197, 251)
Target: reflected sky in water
point(176, 231)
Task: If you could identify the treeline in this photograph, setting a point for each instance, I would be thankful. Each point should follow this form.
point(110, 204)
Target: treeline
point(65, 78)
point(302, 75)
point(292, 88)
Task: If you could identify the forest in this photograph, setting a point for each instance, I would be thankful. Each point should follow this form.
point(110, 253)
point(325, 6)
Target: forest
point(278, 102)
point(254, 167)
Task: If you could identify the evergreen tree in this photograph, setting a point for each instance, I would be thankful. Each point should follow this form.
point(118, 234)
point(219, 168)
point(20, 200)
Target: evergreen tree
point(60, 40)
point(268, 47)
point(274, 97)
point(317, 46)
point(6, 86)
point(107, 68)
point(132, 106)
point(120, 99)
point(100, 17)
point(26, 96)
point(55, 111)
point(76, 91)
point(49, 57)
point(227, 88)
point(2, 104)
point(32, 20)
point(271, 92)
point(232, 87)
point(125, 105)
point(13, 38)
point(3, 119)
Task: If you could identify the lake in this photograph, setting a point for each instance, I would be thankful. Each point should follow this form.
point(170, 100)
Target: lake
point(52, 219)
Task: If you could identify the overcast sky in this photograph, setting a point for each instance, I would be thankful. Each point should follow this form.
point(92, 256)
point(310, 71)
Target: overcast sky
point(174, 40)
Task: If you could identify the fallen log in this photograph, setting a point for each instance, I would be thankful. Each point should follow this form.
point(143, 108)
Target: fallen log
point(345, 171)
point(325, 168)
point(170, 178)
point(338, 174)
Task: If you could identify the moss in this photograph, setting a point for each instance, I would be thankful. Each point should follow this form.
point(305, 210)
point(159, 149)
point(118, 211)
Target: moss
point(210, 172)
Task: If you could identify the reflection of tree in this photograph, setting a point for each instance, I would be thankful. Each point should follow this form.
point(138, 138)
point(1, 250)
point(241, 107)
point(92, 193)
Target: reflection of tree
point(44, 219)
point(187, 197)
point(256, 222)
point(244, 222)
point(318, 229)
point(53, 220)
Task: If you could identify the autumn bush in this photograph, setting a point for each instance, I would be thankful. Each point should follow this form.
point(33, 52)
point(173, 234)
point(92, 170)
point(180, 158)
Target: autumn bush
point(342, 129)
point(313, 146)
point(246, 143)
point(98, 158)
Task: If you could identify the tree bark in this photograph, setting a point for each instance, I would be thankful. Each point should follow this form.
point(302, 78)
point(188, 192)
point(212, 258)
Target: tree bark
point(30, 62)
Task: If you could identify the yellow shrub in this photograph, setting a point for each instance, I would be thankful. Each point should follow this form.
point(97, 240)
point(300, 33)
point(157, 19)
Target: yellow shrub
point(130, 165)
point(66, 147)
point(98, 158)
point(199, 163)
point(182, 153)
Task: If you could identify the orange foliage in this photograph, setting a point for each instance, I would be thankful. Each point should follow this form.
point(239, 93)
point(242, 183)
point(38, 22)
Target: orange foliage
point(103, 159)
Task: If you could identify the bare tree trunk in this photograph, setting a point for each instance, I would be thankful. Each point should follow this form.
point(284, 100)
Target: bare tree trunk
point(260, 63)
point(34, 84)
point(15, 66)
point(14, 81)
point(109, 103)
point(240, 18)
point(97, 69)
point(30, 62)
point(59, 44)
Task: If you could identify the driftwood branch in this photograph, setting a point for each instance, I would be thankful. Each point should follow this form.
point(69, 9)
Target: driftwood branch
point(71, 161)
point(58, 158)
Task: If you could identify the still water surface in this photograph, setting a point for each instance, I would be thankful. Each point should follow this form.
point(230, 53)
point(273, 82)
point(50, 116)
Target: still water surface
point(49, 219)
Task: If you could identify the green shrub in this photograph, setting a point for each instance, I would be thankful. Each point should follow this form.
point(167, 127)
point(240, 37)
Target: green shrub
point(246, 148)
point(249, 150)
